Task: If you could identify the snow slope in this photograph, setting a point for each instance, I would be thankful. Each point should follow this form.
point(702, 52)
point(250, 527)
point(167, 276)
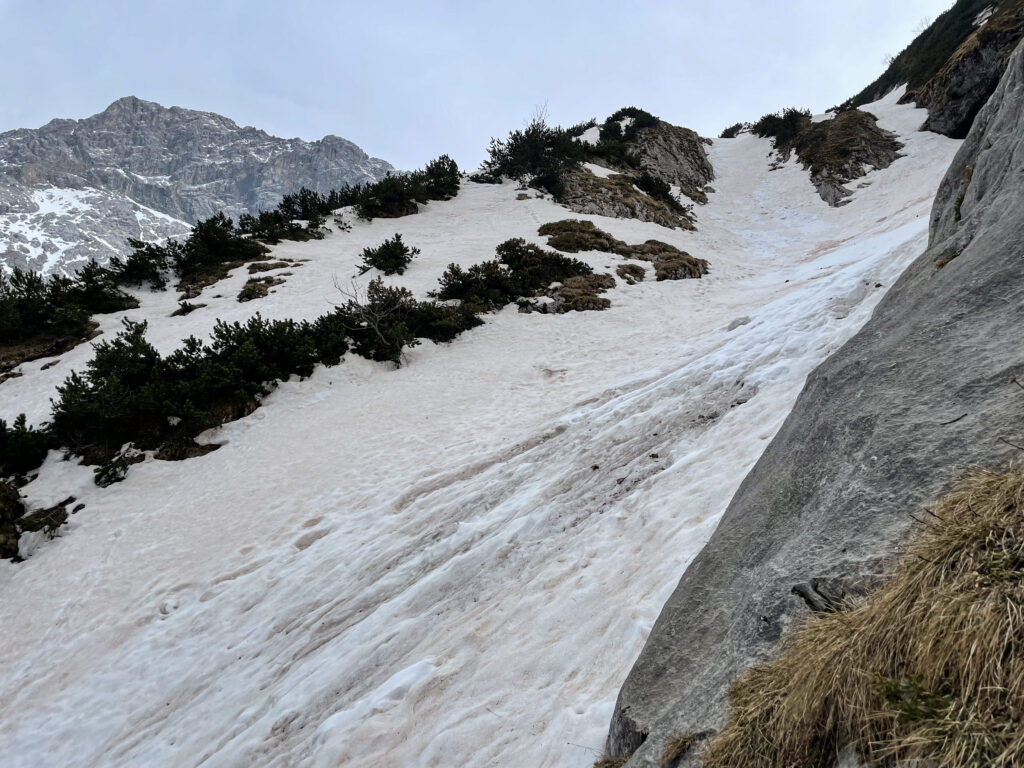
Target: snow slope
point(456, 562)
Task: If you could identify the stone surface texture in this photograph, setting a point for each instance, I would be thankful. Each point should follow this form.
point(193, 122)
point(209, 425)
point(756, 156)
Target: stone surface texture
point(881, 427)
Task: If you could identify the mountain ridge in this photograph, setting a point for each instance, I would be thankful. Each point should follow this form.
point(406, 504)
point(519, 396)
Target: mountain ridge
point(139, 169)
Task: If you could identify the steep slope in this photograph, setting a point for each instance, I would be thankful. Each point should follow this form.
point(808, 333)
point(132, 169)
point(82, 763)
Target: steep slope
point(426, 566)
point(954, 65)
point(921, 392)
point(76, 189)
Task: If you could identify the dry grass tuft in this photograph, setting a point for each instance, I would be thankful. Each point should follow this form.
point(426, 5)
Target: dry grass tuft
point(670, 263)
point(930, 667)
point(631, 273)
point(574, 236)
point(612, 762)
point(258, 287)
point(677, 746)
point(580, 293)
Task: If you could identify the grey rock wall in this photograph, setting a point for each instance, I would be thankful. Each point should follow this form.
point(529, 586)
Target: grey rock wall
point(881, 427)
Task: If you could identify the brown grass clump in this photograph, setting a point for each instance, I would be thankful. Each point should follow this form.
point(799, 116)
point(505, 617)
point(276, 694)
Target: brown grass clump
point(609, 761)
point(257, 287)
point(617, 196)
point(574, 235)
point(580, 293)
point(266, 266)
point(930, 667)
point(840, 145)
point(679, 267)
point(670, 263)
point(631, 273)
point(677, 746)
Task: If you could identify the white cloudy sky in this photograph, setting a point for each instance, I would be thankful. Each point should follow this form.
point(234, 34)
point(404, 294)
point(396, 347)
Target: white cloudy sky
point(410, 80)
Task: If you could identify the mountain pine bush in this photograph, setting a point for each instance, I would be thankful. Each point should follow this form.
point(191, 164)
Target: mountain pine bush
point(391, 257)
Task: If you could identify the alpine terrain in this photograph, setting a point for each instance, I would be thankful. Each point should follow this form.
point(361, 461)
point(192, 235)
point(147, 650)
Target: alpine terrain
point(527, 465)
point(75, 190)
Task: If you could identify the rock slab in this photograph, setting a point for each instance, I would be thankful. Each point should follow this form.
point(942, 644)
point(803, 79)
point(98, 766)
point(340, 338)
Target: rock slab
point(881, 427)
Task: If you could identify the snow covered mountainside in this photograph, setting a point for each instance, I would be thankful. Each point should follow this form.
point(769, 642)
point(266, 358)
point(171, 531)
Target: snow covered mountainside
point(75, 190)
point(455, 562)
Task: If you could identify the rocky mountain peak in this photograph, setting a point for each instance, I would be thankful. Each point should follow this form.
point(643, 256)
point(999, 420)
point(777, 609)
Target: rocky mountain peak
point(77, 189)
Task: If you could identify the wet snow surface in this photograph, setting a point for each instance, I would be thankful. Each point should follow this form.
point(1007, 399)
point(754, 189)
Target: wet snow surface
point(453, 563)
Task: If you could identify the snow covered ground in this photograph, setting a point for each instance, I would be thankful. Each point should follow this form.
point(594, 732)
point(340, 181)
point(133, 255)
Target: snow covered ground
point(55, 230)
point(456, 562)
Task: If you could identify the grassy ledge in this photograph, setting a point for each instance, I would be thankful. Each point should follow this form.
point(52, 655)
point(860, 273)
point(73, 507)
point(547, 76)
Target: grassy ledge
point(930, 667)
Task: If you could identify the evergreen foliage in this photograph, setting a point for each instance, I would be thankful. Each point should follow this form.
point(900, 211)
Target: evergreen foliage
point(733, 130)
point(270, 226)
point(538, 156)
point(34, 307)
point(782, 127)
point(440, 179)
point(22, 448)
point(521, 270)
point(659, 190)
point(391, 257)
point(920, 61)
point(213, 245)
point(614, 142)
point(147, 263)
point(129, 393)
point(580, 128)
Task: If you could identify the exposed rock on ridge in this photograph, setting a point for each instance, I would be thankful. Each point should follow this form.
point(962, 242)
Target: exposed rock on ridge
point(78, 188)
point(880, 428)
point(617, 196)
point(677, 156)
point(840, 150)
point(954, 65)
point(954, 95)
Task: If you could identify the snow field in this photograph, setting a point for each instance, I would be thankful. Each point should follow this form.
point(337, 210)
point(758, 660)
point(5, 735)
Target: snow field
point(456, 562)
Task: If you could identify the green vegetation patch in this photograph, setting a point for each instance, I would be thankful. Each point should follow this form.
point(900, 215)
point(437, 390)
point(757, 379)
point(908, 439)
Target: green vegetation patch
point(41, 317)
point(391, 257)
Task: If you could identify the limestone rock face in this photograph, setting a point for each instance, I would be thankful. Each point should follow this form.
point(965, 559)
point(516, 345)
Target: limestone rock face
point(963, 85)
point(618, 197)
point(676, 156)
point(882, 426)
point(76, 189)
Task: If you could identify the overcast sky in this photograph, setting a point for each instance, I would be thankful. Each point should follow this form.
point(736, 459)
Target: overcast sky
point(408, 81)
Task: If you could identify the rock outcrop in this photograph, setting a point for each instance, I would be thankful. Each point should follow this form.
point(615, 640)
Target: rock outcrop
point(955, 95)
point(954, 65)
point(677, 156)
point(76, 189)
point(922, 391)
point(845, 148)
point(617, 196)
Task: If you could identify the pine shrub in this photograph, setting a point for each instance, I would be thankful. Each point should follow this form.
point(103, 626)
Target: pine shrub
point(391, 257)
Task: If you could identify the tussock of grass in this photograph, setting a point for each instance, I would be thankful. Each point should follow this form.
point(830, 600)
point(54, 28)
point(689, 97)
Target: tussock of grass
point(580, 293)
point(257, 287)
point(677, 746)
point(670, 263)
point(929, 667)
point(575, 236)
point(631, 273)
point(609, 761)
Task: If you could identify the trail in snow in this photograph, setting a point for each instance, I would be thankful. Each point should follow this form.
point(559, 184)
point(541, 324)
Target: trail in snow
point(457, 562)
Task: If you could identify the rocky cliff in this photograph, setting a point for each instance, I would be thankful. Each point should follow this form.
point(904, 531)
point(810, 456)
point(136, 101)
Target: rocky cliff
point(921, 392)
point(954, 65)
point(76, 189)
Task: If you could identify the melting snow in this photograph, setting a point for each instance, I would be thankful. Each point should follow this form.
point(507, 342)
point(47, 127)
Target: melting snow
point(456, 562)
